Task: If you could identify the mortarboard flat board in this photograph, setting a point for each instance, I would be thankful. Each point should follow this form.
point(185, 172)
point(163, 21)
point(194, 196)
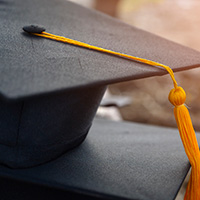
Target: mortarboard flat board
point(50, 92)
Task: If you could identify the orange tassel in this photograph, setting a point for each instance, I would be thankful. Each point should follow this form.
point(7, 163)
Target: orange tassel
point(177, 97)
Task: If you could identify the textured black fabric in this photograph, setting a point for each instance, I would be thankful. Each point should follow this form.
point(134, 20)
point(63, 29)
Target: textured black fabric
point(39, 129)
point(124, 160)
point(32, 66)
point(20, 190)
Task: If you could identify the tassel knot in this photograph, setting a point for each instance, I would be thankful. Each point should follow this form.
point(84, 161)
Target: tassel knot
point(177, 96)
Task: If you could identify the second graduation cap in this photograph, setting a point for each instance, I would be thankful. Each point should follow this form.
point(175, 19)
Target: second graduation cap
point(50, 90)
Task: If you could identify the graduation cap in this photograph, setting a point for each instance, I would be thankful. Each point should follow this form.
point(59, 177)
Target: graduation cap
point(50, 92)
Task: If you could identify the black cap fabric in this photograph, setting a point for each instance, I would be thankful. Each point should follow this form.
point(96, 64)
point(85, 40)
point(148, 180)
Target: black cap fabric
point(116, 161)
point(36, 66)
point(50, 92)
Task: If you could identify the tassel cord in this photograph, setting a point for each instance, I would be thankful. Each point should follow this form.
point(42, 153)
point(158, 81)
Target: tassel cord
point(85, 45)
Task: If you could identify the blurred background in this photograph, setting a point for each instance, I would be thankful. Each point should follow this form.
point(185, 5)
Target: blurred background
point(146, 100)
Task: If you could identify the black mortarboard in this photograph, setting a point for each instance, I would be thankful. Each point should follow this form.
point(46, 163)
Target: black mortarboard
point(50, 92)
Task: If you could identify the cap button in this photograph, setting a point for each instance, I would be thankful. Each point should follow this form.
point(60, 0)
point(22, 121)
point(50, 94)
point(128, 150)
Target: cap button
point(33, 29)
